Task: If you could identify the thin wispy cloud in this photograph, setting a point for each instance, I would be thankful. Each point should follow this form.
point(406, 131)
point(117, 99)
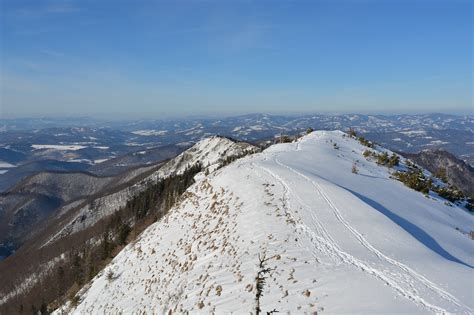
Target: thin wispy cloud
point(48, 9)
point(28, 65)
point(52, 53)
point(59, 8)
point(247, 37)
point(25, 31)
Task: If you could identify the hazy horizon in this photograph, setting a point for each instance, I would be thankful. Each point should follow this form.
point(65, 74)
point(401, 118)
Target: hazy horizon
point(158, 116)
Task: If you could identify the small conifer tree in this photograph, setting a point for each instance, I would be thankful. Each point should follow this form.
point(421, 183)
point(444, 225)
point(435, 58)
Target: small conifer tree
point(352, 132)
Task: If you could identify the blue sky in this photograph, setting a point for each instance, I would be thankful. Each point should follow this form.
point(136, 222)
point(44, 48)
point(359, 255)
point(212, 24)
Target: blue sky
point(155, 58)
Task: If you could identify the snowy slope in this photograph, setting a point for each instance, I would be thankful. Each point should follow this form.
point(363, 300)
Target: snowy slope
point(210, 152)
point(335, 241)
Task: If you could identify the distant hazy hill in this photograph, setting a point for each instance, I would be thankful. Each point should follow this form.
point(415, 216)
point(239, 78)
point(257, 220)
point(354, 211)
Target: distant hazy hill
point(16, 174)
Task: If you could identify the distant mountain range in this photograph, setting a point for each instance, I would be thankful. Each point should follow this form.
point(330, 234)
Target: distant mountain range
point(110, 147)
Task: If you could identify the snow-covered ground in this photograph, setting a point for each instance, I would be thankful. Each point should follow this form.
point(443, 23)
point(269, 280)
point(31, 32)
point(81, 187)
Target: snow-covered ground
point(335, 242)
point(150, 132)
point(60, 147)
point(6, 164)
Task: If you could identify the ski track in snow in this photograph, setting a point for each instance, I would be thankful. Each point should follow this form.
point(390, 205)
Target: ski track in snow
point(397, 281)
point(430, 285)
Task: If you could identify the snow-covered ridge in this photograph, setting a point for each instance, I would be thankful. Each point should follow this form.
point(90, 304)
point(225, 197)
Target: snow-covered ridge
point(209, 152)
point(335, 242)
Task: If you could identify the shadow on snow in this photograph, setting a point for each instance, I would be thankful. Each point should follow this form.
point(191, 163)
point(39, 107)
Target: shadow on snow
point(411, 228)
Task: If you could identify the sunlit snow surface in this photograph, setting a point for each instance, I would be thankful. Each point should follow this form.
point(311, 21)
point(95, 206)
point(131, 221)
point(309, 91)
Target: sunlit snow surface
point(338, 242)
